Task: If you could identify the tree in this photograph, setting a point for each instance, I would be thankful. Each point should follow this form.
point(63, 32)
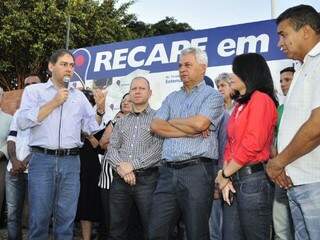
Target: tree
point(31, 30)
point(165, 26)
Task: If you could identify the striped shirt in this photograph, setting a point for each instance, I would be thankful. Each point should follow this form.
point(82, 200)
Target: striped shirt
point(106, 176)
point(201, 100)
point(131, 141)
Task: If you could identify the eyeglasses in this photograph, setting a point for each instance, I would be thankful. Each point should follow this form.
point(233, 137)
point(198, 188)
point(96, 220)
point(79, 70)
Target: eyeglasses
point(27, 84)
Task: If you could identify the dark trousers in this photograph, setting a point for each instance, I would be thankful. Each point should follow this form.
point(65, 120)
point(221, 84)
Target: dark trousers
point(185, 192)
point(122, 196)
point(250, 215)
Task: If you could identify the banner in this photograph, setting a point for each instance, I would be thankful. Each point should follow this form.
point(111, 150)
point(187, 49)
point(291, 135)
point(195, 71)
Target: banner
point(157, 58)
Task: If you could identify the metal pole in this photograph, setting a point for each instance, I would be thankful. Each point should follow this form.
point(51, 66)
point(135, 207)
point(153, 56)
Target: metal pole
point(273, 9)
point(68, 31)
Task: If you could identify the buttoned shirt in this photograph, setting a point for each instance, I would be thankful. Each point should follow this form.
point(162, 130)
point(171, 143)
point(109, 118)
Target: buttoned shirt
point(303, 97)
point(201, 100)
point(21, 139)
point(251, 130)
point(62, 127)
point(132, 141)
point(5, 120)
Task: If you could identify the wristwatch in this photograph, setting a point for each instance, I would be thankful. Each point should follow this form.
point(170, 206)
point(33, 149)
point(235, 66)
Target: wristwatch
point(100, 114)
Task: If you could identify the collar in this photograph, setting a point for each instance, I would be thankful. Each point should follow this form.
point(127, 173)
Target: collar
point(146, 111)
point(49, 84)
point(196, 87)
point(313, 52)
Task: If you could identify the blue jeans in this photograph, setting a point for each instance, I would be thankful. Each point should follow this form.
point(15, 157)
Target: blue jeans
point(215, 221)
point(16, 187)
point(282, 220)
point(250, 215)
point(187, 191)
point(54, 187)
point(304, 203)
point(121, 198)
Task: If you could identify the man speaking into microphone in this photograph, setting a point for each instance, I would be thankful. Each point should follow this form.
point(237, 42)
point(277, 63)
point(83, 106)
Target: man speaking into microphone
point(56, 115)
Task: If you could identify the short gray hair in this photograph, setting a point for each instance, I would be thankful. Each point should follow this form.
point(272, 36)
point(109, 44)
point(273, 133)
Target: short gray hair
point(1, 91)
point(225, 77)
point(200, 55)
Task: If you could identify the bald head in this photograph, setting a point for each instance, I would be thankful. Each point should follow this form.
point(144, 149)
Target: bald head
point(141, 79)
point(31, 80)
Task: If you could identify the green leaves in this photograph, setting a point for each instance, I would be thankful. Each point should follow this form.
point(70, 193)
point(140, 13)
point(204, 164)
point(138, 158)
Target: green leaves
point(31, 30)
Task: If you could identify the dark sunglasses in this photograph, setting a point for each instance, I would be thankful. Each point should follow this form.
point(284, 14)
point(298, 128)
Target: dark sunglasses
point(27, 84)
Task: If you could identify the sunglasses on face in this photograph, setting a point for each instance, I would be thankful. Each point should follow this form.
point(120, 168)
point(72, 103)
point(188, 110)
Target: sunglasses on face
point(27, 84)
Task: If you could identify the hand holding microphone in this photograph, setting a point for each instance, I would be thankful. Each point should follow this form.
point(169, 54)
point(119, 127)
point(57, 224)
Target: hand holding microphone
point(63, 93)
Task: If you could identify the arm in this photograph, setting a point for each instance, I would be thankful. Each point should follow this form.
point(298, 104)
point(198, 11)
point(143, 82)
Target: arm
point(114, 146)
point(17, 166)
point(105, 139)
point(165, 129)
point(100, 99)
point(306, 139)
point(31, 113)
point(191, 125)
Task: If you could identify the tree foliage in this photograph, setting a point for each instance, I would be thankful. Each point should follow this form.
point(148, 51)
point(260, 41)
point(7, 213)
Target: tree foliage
point(31, 30)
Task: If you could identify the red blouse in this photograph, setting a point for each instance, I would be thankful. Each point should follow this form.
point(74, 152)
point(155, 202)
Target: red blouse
point(251, 129)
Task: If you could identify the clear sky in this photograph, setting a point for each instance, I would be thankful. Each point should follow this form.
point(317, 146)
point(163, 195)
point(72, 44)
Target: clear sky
point(202, 14)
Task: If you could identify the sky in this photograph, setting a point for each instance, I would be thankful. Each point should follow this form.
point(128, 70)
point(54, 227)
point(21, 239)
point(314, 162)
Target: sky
point(203, 14)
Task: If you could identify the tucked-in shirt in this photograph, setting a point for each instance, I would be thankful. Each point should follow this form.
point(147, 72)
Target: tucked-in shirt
point(303, 97)
point(21, 140)
point(251, 130)
point(222, 136)
point(132, 141)
point(201, 100)
point(62, 127)
point(5, 120)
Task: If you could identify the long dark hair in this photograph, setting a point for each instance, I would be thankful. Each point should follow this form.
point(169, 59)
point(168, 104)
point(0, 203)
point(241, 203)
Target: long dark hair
point(253, 70)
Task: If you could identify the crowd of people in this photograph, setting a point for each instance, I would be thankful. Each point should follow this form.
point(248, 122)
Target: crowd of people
point(227, 163)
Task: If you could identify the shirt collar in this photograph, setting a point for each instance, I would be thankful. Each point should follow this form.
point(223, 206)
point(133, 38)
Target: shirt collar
point(196, 87)
point(313, 52)
point(49, 84)
point(146, 111)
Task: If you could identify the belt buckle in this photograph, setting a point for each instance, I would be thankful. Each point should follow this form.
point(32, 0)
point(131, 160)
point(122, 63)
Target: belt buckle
point(59, 152)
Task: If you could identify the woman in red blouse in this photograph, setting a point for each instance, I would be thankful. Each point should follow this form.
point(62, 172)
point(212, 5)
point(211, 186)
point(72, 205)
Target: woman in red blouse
point(246, 189)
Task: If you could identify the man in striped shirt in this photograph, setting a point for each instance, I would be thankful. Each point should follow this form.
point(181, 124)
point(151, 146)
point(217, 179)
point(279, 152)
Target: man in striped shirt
point(134, 153)
point(188, 120)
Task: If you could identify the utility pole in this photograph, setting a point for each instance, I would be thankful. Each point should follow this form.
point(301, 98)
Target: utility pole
point(68, 31)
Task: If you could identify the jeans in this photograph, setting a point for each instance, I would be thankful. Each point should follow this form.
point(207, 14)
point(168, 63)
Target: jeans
point(282, 220)
point(16, 187)
point(304, 203)
point(215, 221)
point(54, 186)
point(250, 215)
point(187, 191)
point(121, 198)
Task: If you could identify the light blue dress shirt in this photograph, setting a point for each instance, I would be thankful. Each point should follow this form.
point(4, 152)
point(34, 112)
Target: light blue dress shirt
point(63, 126)
point(5, 120)
point(201, 100)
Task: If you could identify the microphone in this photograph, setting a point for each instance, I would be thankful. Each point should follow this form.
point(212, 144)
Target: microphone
point(66, 80)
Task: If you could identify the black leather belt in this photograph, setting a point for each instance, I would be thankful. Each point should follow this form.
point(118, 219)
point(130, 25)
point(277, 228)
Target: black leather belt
point(145, 172)
point(248, 170)
point(188, 162)
point(56, 152)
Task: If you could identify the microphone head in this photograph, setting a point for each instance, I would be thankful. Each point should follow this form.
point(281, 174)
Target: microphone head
point(66, 80)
